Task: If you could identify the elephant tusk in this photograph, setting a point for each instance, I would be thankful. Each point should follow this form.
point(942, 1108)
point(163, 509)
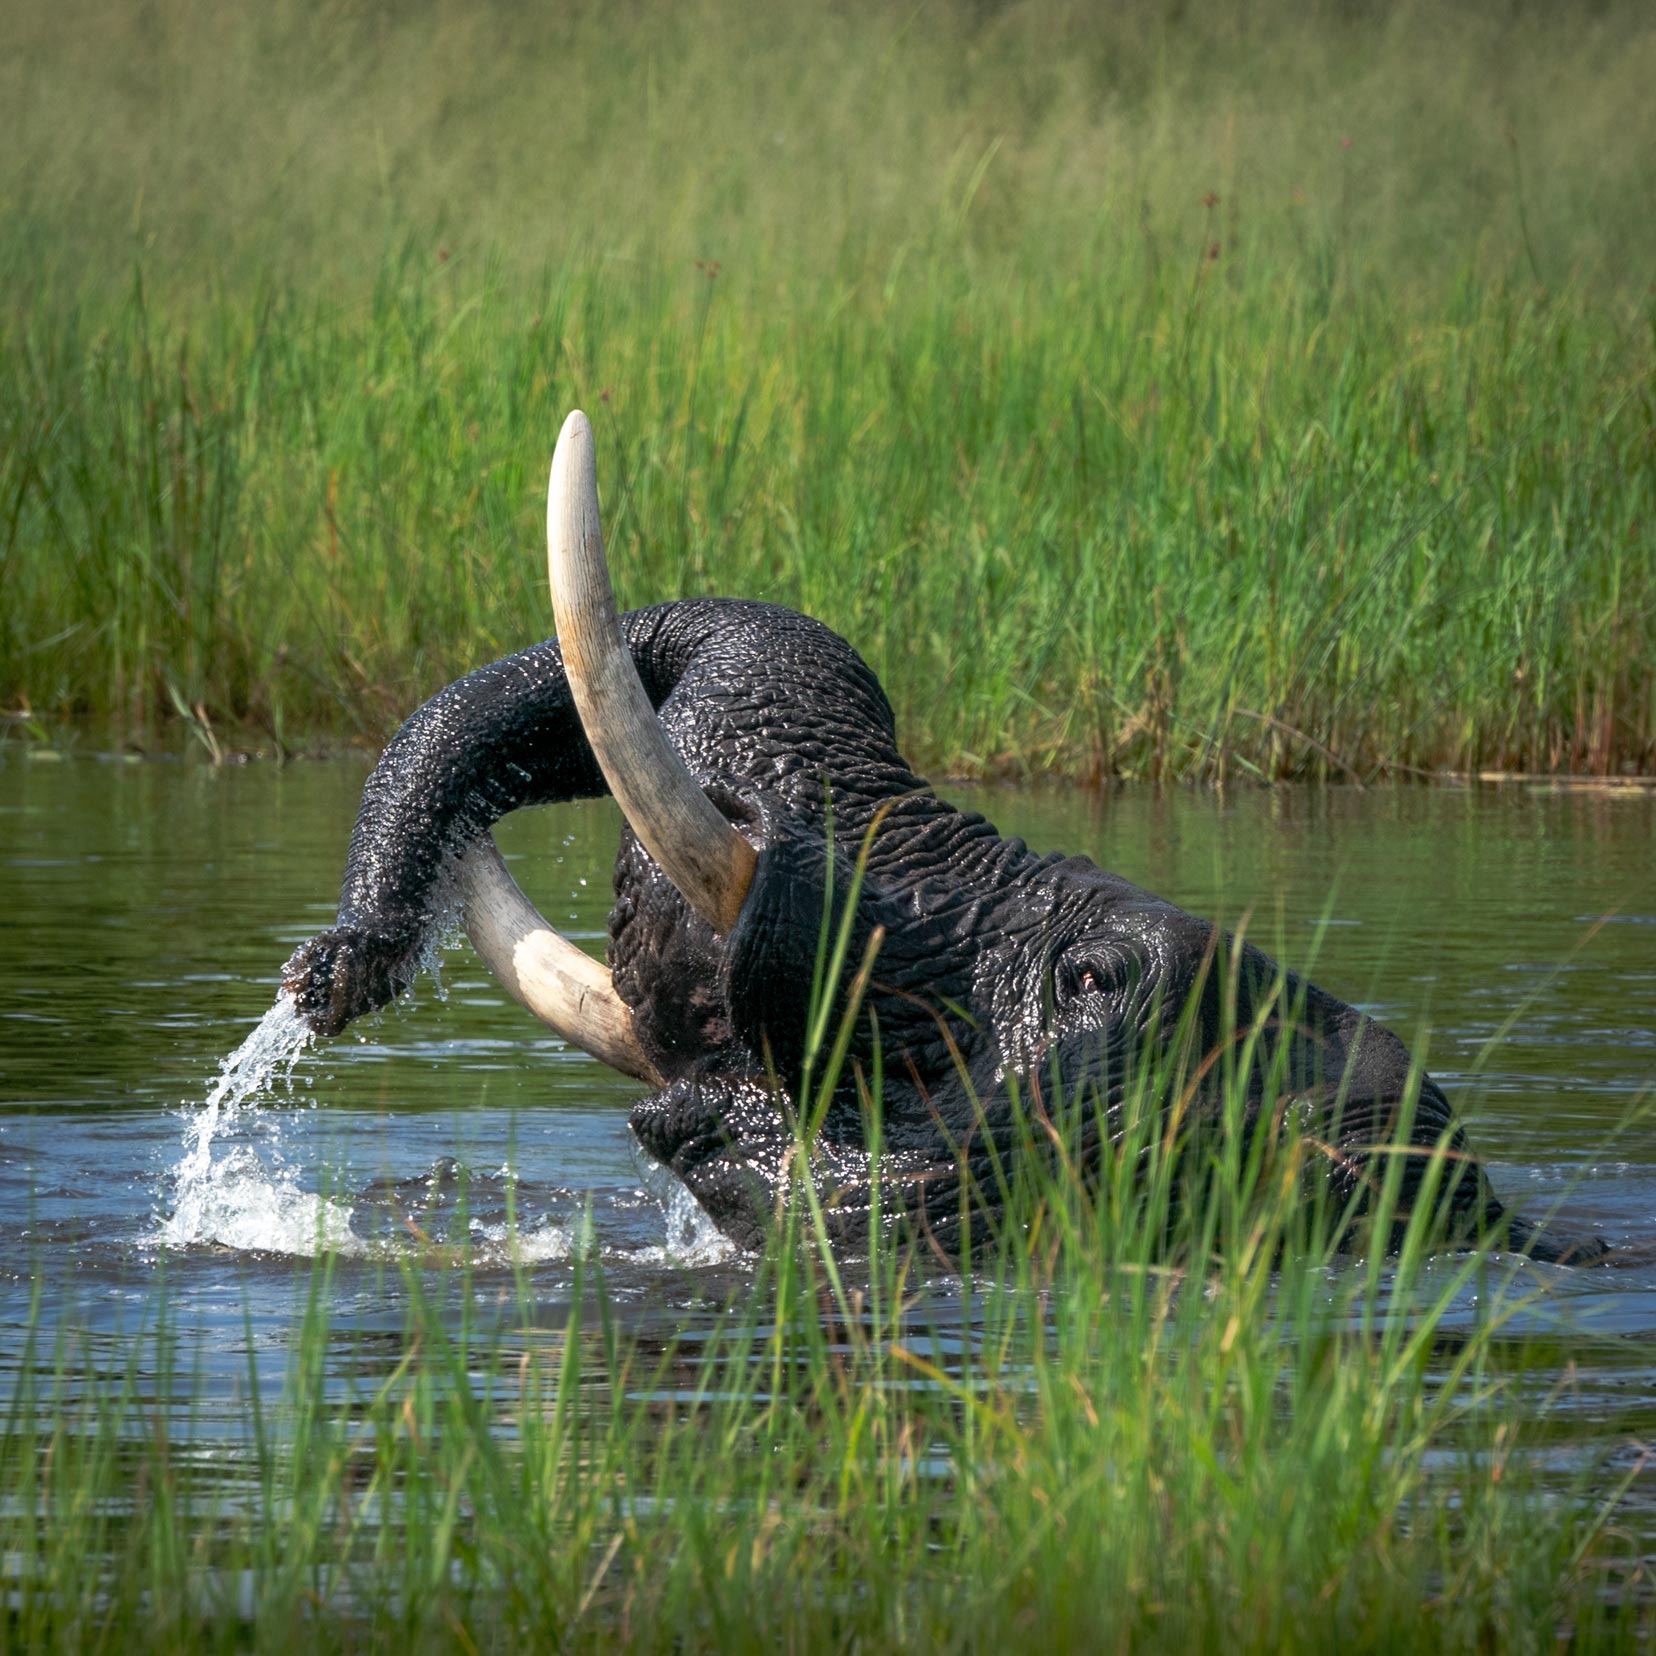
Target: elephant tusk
point(705, 858)
point(566, 989)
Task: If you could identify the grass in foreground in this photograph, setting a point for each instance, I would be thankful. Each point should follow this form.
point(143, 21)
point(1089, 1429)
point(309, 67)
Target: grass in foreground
point(1101, 1452)
point(1139, 1424)
point(1267, 397)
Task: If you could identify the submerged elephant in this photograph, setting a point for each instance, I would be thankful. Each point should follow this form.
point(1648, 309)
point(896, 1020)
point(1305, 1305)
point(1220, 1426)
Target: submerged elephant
point(754, 756)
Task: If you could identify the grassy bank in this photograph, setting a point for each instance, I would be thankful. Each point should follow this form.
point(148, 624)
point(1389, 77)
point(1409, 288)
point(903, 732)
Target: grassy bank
point(1208, 398)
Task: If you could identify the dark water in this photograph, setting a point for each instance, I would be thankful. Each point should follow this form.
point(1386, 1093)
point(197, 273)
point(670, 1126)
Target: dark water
point(148, 907)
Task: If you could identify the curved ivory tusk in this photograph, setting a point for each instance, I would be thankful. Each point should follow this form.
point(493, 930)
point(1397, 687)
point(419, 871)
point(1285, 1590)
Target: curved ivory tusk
point(566, 989)
point(709, 862)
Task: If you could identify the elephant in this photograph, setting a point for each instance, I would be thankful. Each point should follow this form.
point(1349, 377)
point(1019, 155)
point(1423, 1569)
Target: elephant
point(771, 818)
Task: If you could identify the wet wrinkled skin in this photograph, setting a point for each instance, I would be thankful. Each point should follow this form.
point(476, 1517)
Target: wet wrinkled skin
point(1003, 982)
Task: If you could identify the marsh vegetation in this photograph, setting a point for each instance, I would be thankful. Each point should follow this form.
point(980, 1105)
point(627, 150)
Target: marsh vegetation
point(1261, 393)
point(1078, 1447)
point(1217, 395)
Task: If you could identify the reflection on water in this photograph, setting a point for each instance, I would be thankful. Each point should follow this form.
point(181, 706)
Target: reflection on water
point(148, 909)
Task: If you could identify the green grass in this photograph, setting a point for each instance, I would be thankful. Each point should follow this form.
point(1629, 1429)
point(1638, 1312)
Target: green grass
point(1141, 1422)
point(1213, 398)
point(1104, 1451)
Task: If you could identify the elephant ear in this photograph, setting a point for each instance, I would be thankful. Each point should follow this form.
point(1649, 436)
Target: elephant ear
point(709, 863)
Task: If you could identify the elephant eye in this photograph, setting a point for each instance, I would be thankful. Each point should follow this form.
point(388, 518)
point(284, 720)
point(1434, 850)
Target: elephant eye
point(1078, 977)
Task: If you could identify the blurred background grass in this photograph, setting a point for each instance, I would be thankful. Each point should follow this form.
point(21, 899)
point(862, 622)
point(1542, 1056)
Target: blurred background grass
point(1154, 389)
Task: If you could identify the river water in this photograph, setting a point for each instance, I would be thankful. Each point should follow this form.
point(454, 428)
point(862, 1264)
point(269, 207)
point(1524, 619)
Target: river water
point(146, 908)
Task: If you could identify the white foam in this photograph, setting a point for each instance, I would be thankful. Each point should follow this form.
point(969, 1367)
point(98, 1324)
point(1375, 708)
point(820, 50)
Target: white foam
point(250, 1207)
point(545, 1243)
point(232, 1188)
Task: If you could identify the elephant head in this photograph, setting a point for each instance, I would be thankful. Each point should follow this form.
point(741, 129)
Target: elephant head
point(771, 821)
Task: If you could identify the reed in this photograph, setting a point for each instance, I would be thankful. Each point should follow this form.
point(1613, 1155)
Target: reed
point(1236, 398)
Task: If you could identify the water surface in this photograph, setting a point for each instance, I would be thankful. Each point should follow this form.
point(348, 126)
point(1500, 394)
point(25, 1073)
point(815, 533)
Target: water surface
point(149, 906)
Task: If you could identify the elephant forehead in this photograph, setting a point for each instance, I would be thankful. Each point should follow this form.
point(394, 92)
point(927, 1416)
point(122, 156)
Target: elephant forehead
point(777, 699)
point(1060, 907)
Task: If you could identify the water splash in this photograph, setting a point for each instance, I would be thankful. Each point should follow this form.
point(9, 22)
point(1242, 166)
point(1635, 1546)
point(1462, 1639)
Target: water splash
point(225, 1193)
point(232, 1187)
point(692, 1238)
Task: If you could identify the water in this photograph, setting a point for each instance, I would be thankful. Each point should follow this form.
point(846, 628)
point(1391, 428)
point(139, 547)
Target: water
point(148, 909)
